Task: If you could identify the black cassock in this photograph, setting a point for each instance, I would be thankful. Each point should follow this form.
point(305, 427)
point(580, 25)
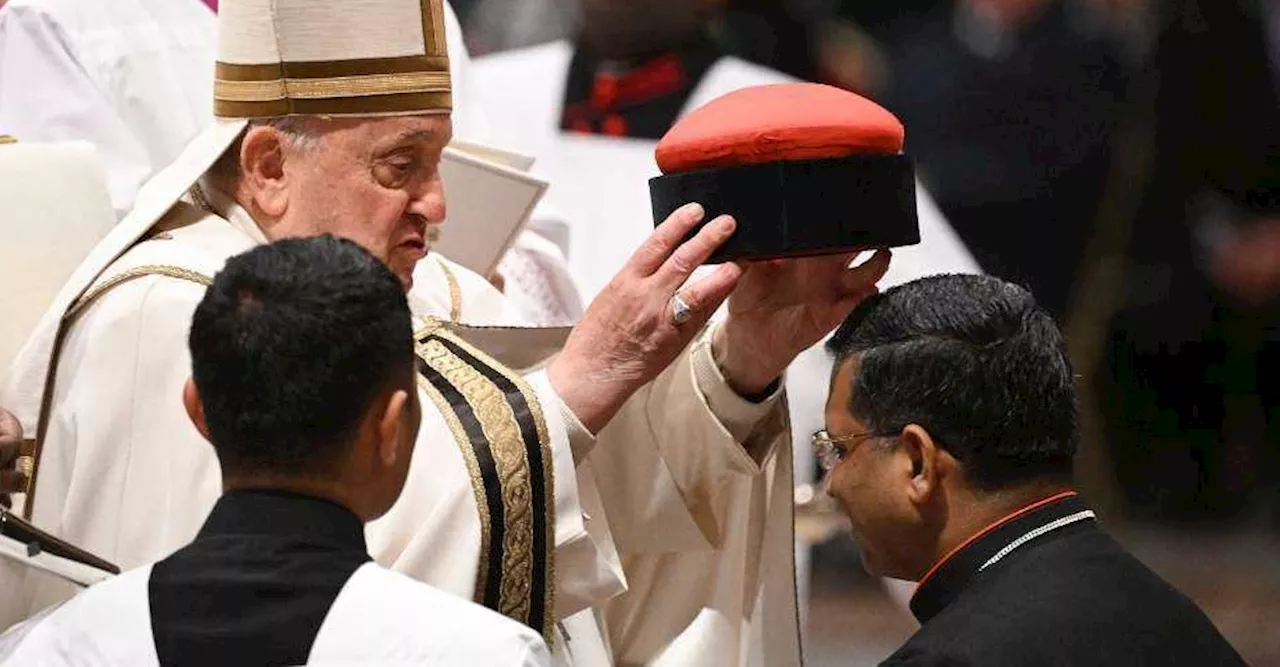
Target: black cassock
point(1048, 587)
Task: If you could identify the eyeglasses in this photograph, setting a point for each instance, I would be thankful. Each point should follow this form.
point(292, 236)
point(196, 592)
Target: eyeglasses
point(824, 447)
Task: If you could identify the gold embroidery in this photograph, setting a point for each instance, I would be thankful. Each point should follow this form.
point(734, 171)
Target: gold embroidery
point(502, 432)
point(417, 103)
point(77, 309)
point(548, 471)
point(346, 86)
point(328, 69)
point(7, 139)
point(493, 410)
point(473, 469)
point(433, 36)
point(455, 293)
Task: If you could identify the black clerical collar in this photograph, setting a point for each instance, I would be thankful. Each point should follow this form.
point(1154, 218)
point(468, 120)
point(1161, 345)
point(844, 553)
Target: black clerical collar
point(277, 513)
point(642, 101)
point(951, 575)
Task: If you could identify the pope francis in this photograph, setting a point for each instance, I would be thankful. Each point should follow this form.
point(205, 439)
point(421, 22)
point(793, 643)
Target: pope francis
point(625, 490)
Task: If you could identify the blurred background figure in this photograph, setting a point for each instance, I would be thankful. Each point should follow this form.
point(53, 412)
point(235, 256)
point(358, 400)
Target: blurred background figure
point(1030, 90)
point(130, 77)
point(1192, 392)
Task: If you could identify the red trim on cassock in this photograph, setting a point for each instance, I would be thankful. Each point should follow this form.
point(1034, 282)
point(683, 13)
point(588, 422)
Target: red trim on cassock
point(613, 92)
point(986, 531)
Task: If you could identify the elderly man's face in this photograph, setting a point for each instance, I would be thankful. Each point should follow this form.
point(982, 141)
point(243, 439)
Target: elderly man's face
point(375, 181)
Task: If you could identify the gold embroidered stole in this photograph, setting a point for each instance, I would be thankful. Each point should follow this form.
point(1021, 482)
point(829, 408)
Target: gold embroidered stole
point(498, 424)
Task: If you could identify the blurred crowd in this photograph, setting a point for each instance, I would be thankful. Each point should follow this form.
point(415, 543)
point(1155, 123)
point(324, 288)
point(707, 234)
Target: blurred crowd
point(1119, 157)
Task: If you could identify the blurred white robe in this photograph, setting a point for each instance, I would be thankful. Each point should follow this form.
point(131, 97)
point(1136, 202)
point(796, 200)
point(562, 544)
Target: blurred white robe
point(132, 77)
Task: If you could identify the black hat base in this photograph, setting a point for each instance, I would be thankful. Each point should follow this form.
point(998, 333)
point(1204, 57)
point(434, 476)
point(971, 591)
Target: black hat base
point(802, 207)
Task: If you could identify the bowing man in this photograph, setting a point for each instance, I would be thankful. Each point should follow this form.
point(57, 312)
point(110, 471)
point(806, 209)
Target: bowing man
point(303, 380)
point(951, 427)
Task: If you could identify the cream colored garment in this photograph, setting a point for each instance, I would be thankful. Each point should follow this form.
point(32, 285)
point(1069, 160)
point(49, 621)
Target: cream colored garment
point(125, 475)
point(132, 77)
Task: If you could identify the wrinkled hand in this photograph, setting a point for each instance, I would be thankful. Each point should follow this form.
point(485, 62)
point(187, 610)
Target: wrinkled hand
point(783, 307)
point(11, 481)
point(627, 336)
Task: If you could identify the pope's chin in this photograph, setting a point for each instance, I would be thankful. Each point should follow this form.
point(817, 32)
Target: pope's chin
point(404, 258)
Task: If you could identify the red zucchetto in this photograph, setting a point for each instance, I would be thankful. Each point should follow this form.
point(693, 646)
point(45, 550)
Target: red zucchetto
point(806, 169)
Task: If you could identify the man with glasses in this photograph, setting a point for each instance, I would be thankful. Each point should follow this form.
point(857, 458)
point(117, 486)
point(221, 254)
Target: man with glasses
point(951, 427)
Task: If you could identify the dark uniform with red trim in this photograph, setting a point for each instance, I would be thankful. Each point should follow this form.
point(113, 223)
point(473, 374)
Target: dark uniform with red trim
point(1046, 586)
point(643, 101)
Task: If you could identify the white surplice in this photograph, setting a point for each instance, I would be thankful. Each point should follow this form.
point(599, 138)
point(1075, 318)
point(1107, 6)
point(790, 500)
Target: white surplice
point(378, 618)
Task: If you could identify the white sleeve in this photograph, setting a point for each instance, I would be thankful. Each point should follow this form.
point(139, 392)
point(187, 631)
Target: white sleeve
point(660, 465)
point(47, 94)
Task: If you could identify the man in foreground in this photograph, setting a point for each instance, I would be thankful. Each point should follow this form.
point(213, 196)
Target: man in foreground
point(951, 427)
point(304, 383)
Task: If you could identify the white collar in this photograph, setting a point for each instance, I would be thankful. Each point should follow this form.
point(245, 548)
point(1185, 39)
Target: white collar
point(226, 207)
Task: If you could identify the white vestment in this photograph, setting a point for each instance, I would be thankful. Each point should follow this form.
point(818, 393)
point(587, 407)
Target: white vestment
point(379, 618)
point(132, 77)
point(680, 501)
point(601, 188)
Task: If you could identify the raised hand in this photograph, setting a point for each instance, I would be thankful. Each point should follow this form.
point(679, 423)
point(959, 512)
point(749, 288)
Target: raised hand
point(783, 307)
point(630, 332)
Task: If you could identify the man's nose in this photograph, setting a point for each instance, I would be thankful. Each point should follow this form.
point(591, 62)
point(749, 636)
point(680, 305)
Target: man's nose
point(429, 202)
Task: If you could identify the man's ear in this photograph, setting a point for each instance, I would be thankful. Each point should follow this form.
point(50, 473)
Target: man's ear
point(195, 408)
point(389, 425)
point(926, 458)
point(262, 172)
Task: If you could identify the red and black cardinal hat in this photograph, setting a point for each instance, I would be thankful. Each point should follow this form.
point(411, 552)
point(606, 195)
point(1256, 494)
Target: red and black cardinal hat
point(805, 169)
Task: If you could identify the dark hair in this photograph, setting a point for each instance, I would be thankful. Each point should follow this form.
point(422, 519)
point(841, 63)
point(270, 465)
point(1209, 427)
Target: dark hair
point(975, 362)
point(291, 345)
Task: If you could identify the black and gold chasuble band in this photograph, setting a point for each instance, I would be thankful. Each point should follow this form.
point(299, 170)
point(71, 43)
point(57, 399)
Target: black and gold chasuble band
point(498, 424)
